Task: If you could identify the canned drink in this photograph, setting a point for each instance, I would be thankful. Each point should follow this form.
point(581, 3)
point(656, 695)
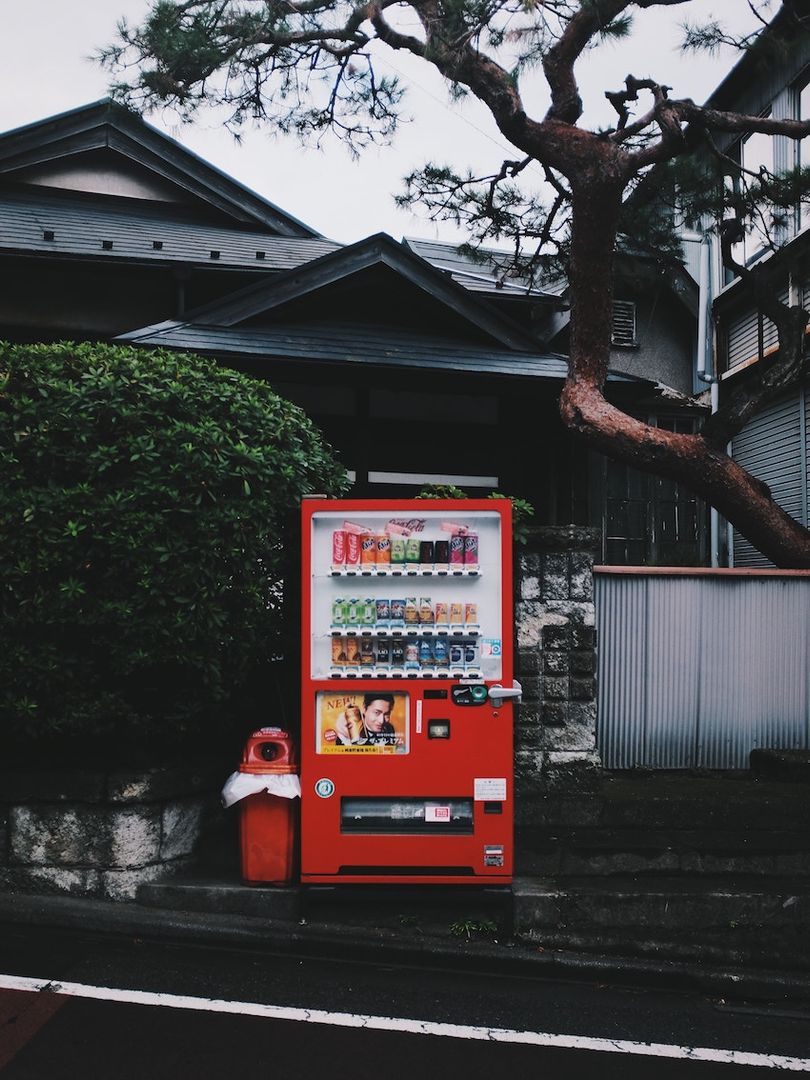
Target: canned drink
point(397, 652)
point(440, 652)
point(383, 612)
point(354, 612)
point(412, 549)
point(367, 652)
point(397, 612)
point(352, 551)
point(442, 554)
point(456, 653)
point(352, 649)
point(456, 613)
point(339, 654)
point(470, 614)
point(471, 549)
point(456, 552)
point(425, 610)
point(384, 651)
point(397, 550)
point(411, 610)
point(338, 549)
point(383, 549)
point(425, 652)
point(369, 611)
point(368, 550)
point(441, 613)
point(470, 655)
point(338, 612)
point(427, 554)
point(411, 654)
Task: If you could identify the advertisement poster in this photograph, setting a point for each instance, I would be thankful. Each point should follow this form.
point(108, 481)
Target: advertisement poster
point(373, 722)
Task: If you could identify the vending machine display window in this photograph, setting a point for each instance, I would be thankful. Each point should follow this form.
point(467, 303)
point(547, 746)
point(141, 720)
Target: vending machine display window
point(389, 605)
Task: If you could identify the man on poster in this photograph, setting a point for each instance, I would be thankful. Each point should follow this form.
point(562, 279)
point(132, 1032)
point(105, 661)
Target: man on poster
point(373, 727)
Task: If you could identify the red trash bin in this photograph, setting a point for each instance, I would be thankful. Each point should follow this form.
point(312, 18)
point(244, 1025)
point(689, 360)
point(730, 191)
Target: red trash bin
point(269, 823)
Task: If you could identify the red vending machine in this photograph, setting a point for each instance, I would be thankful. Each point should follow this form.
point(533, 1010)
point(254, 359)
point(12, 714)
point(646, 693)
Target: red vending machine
point(407, 692)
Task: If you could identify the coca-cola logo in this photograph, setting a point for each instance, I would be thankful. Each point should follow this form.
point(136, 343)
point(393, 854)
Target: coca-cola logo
point(406, 525)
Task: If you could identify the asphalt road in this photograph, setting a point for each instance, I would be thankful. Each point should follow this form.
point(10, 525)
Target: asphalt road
point(54, 1035)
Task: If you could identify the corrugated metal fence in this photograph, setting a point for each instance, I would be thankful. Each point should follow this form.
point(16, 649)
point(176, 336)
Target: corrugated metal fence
point(698, 667)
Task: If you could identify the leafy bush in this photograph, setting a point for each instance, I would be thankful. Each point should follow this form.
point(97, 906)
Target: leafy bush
point(522, 510)
point(143, 512)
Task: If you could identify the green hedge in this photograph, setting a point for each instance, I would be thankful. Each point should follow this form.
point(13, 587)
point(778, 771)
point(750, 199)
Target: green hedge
point(144, 502)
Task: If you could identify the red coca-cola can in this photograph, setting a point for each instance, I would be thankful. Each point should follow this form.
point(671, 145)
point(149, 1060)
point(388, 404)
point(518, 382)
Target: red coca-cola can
point(338, 549)
point(352, 549)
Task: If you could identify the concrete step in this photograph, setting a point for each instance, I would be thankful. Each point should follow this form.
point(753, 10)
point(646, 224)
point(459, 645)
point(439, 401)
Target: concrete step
point(434, 911)
point(223, 895)
point(609, 852)
point(673, 903)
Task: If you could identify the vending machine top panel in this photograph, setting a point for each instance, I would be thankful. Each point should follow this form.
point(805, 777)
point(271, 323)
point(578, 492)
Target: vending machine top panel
point(406, 590)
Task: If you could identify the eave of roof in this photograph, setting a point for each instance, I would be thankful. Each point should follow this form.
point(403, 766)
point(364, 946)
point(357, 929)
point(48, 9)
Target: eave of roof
point(105, 124)
point(356, 345)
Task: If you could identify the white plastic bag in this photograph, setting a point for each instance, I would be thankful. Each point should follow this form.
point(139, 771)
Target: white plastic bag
point(240, 785)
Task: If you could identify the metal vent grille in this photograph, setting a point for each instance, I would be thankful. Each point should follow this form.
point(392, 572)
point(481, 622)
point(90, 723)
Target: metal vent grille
point(624, 323)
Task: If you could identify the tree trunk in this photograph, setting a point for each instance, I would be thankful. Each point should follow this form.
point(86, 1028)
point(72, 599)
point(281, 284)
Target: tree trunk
point(689, 459)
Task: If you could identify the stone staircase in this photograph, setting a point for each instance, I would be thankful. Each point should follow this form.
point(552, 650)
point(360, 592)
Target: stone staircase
point(686, 867)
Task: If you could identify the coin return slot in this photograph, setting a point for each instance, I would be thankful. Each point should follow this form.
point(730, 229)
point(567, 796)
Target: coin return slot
point(438, 729)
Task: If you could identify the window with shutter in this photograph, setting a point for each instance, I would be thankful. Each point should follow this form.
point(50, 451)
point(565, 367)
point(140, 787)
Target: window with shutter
point(624, 323)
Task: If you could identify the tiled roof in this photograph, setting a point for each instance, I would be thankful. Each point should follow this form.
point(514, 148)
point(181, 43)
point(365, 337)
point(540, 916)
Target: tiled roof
point(478, 276)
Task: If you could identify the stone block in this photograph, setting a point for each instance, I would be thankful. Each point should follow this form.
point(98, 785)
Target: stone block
point(180, 828)
point(84, 836)
point(555, 714)
point(529, 587)
point(556, 663)
point(556, 637)
point(583, 662)
point(529, 663)
point(531, 689)
point(50, 880)
point(581, 577)
point(124, 884)
point(569, 737)
point(572, 612)
point(529, 625)
point(584, 636)
point(555, 578)
point(582, 714)
point(583, 689)
point(555, 689)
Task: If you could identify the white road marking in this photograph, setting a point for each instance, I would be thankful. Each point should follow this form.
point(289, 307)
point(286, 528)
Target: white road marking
point(400, 1024)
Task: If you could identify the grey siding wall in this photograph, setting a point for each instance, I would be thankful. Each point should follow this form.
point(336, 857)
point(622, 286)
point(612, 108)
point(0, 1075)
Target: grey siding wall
point(774, 448)
point(696, 670)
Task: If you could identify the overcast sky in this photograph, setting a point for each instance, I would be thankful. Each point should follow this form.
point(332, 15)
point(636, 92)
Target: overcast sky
point(45, 69)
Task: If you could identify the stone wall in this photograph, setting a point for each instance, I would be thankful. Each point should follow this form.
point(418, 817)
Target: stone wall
point(102, 834)
point(555, 732)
